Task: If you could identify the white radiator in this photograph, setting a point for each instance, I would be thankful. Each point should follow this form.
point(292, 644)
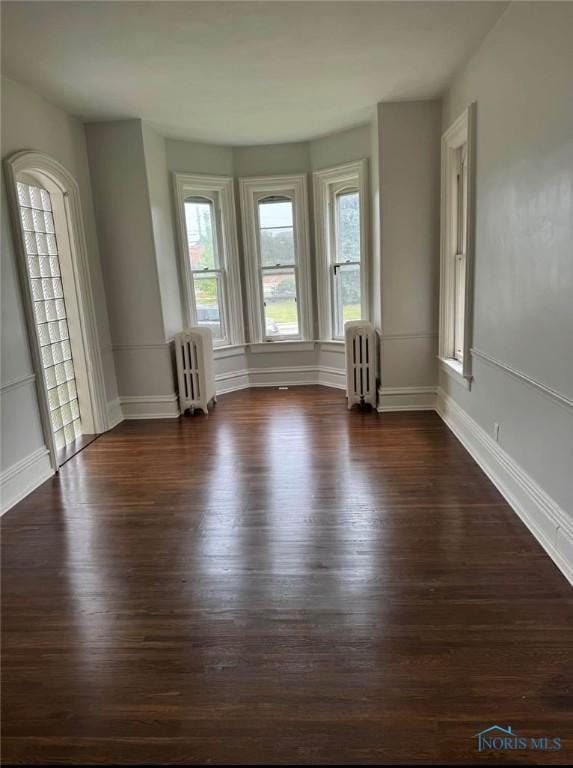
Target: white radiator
point(195, 371)
point(360, 363)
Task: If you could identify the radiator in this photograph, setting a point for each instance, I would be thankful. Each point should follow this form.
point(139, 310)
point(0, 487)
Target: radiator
point(360, 363)
point(195, 370)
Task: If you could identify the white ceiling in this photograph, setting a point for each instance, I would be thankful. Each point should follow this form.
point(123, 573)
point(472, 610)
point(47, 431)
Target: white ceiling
point(235, 72)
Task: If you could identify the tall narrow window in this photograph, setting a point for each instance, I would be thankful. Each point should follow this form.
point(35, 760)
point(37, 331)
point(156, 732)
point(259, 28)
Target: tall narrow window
point(44, 274)
point(347, 263)
point(278, 267)
point(209, 255)
point(342, 274)
point(275, 230)
point(461, 216)
point(456, 251)
point(203, 254)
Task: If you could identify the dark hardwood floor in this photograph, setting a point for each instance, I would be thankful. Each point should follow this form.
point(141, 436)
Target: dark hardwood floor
point(279, 582)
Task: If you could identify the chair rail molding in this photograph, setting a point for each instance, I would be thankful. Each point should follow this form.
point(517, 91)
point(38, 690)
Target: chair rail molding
point(21, 381)
point(559, 397)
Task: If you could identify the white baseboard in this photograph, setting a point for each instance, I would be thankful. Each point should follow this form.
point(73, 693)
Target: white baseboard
point(22, 478)
point(406, 399)
point(280, 377)
point(114, 413)
point(150, 407)
point(332, 377)
point(284, 376)
point(231, 381)
point(540, 513)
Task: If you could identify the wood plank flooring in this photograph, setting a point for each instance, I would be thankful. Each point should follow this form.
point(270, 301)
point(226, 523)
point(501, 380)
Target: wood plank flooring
point(279, 582)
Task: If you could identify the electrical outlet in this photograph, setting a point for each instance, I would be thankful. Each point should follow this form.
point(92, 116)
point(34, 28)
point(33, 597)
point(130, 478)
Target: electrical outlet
point(496, 432)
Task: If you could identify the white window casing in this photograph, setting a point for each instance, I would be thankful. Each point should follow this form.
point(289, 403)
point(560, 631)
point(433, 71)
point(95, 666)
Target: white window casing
point(218, 193)
point(328, 185)
point(255, 192)
point(457, 240)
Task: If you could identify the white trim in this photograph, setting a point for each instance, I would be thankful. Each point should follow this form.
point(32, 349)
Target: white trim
point(52, 175)
point(221, 190)
point(323, 181)
point(232, 381)
point(8, 386)
point(265, 347)
point(24, 476)
point(517, 374)
point(406, 399)
point(335, 378)
point(251, 189)
point(285, 376)
point(454, 369)
point(141, 346)
point(150, 407)
point(407, 336)
point(115, 414)
point(550, 525)
point(220, 353)
point(462, 131)
point(332, 346)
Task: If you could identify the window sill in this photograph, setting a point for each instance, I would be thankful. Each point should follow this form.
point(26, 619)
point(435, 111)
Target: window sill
point(264, 347)
point(454, 369)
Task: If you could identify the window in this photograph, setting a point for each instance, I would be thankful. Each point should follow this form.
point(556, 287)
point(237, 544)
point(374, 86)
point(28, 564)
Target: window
point(276, 252)
point(461, 216)
point(346, 267)
point(203, 254)
point(208, 240)
point(44, 274)
point(457, 247)
point(58, 302)
point(340, 203)
point(278, 270)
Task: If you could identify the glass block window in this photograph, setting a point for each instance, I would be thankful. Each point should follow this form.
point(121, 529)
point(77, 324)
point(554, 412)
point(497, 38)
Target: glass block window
point(43, 266)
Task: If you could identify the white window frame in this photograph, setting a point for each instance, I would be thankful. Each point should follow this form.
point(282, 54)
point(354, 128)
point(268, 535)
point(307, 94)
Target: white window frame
point(220, 192)
point(327, 183)
point(457, 243)
point(253, 191)
point(44, 171)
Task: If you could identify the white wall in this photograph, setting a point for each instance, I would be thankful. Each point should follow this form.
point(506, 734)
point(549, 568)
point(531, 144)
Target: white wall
point(196, 157)
point(523, 315)
point(342, 147)
point(29, 122)
point(409, 180)
point(375, 224)
point(163, 224)
point(123, 208)
point(271, 160)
